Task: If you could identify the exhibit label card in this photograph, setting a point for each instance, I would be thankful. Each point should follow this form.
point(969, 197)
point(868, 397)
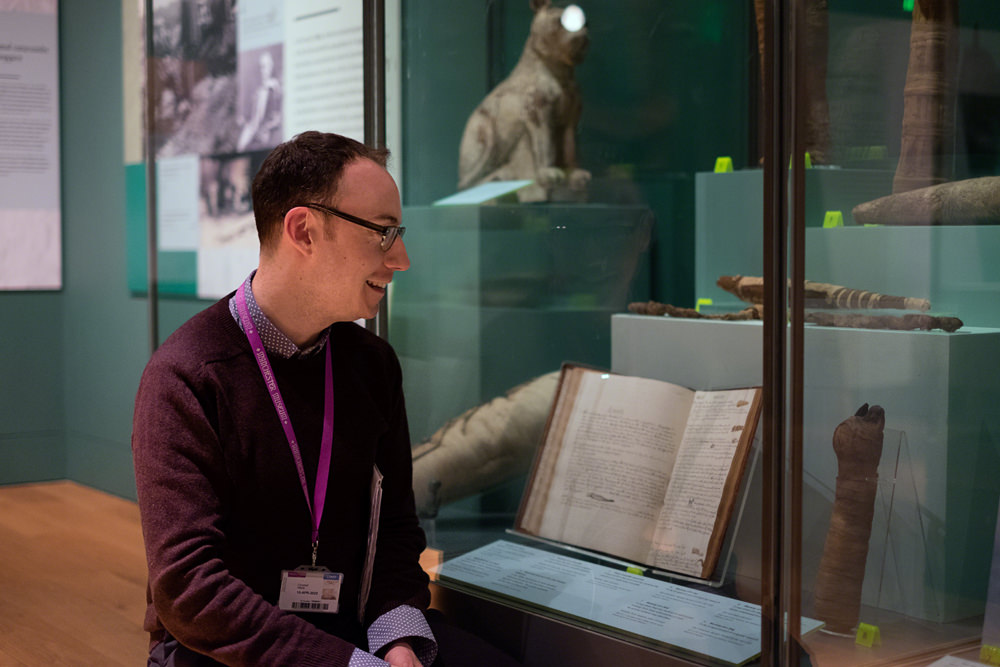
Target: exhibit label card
point(482, 193)
point(684, 618)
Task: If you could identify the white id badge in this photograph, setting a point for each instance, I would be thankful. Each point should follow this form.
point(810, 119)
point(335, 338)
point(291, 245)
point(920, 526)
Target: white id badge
point(313, 589)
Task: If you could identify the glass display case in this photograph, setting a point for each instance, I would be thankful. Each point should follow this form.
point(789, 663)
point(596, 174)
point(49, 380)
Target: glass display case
point(821, 157)
point(755, 140)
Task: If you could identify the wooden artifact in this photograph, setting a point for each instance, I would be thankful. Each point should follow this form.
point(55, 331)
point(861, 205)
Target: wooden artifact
point(485, 446)
point(754, 312)
point(907, 322)
point(973, 201)
point(525, 128)
point(927, 143)
point(857, 441)
point(823, 295)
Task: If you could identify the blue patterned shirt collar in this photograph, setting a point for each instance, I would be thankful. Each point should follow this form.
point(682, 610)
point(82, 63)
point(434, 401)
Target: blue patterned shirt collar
point(275, 342)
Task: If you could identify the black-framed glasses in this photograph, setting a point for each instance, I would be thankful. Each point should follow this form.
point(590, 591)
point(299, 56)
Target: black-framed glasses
point(389, 232)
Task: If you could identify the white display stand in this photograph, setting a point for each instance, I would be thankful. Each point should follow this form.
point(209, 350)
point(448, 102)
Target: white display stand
point(953, 266)
point(940, 389)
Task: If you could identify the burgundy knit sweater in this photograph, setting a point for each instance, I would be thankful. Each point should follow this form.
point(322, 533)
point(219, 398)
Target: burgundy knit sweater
point(223, 511)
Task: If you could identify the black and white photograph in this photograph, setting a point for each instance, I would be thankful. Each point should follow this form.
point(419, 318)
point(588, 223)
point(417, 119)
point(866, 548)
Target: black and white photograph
point(225, 213)
point(195, 92)
point(260, 98)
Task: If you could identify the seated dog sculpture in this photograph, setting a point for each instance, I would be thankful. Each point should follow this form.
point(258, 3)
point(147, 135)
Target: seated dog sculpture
point(525, 128)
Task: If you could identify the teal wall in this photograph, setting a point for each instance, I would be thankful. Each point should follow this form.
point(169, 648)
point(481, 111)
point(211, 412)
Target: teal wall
point(72, 359)
point(31, 390)
point(105, 340)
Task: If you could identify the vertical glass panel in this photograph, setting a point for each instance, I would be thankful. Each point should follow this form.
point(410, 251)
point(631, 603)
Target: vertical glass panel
point(900, 424)
point(505, 289)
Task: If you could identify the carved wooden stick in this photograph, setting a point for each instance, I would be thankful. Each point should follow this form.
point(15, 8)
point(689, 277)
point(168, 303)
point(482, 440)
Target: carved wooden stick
point(823, 295)
point(907, 322)
point(857, 442)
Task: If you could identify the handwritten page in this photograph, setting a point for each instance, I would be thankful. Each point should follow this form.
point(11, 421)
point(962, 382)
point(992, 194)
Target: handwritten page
point(691, 506)
point(614, 467)
point(690, 620)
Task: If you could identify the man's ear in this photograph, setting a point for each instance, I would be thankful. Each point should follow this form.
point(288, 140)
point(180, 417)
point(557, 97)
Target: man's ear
point(299, 229)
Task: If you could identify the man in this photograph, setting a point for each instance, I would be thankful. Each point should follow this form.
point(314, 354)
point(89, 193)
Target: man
point(272, 456)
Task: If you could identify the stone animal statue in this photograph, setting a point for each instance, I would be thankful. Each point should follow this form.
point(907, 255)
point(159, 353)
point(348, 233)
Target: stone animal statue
point(525, 128)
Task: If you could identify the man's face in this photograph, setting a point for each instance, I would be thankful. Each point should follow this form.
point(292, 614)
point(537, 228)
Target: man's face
point(351, 268)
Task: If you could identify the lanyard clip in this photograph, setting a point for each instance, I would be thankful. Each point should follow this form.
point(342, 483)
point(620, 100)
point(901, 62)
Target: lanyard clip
point(315, 548)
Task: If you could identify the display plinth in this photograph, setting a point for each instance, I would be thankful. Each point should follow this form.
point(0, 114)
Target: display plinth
point(952, 266)
point(729, 218)
point(955, 267)
point(498, 295)
point(940, 389)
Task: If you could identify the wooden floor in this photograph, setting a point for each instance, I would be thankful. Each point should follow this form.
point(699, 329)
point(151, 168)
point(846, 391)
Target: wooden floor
point(72, 577)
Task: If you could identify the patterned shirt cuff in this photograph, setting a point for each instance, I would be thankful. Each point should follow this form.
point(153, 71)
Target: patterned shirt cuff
point(404, 622)
point(361, 658)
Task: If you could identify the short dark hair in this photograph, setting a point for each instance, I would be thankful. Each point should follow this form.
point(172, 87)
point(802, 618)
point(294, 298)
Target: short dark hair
point(306, 168)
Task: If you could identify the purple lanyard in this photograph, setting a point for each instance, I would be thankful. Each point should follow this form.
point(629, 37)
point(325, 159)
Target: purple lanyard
point(326, 444)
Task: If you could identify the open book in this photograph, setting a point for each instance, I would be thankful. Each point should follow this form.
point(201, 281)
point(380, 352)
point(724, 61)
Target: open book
point(640, 469)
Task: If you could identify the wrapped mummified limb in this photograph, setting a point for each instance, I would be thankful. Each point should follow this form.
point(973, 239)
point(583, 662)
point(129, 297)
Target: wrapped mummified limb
point(823, 295)
point(907, 322)
point(857, 441)
point(484, 446)
point(655, 308)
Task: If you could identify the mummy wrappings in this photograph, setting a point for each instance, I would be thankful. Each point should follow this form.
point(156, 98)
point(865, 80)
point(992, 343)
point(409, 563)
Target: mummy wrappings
point(857, 441)
point(484, 446)
point(823, 295)
point(927, 142)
